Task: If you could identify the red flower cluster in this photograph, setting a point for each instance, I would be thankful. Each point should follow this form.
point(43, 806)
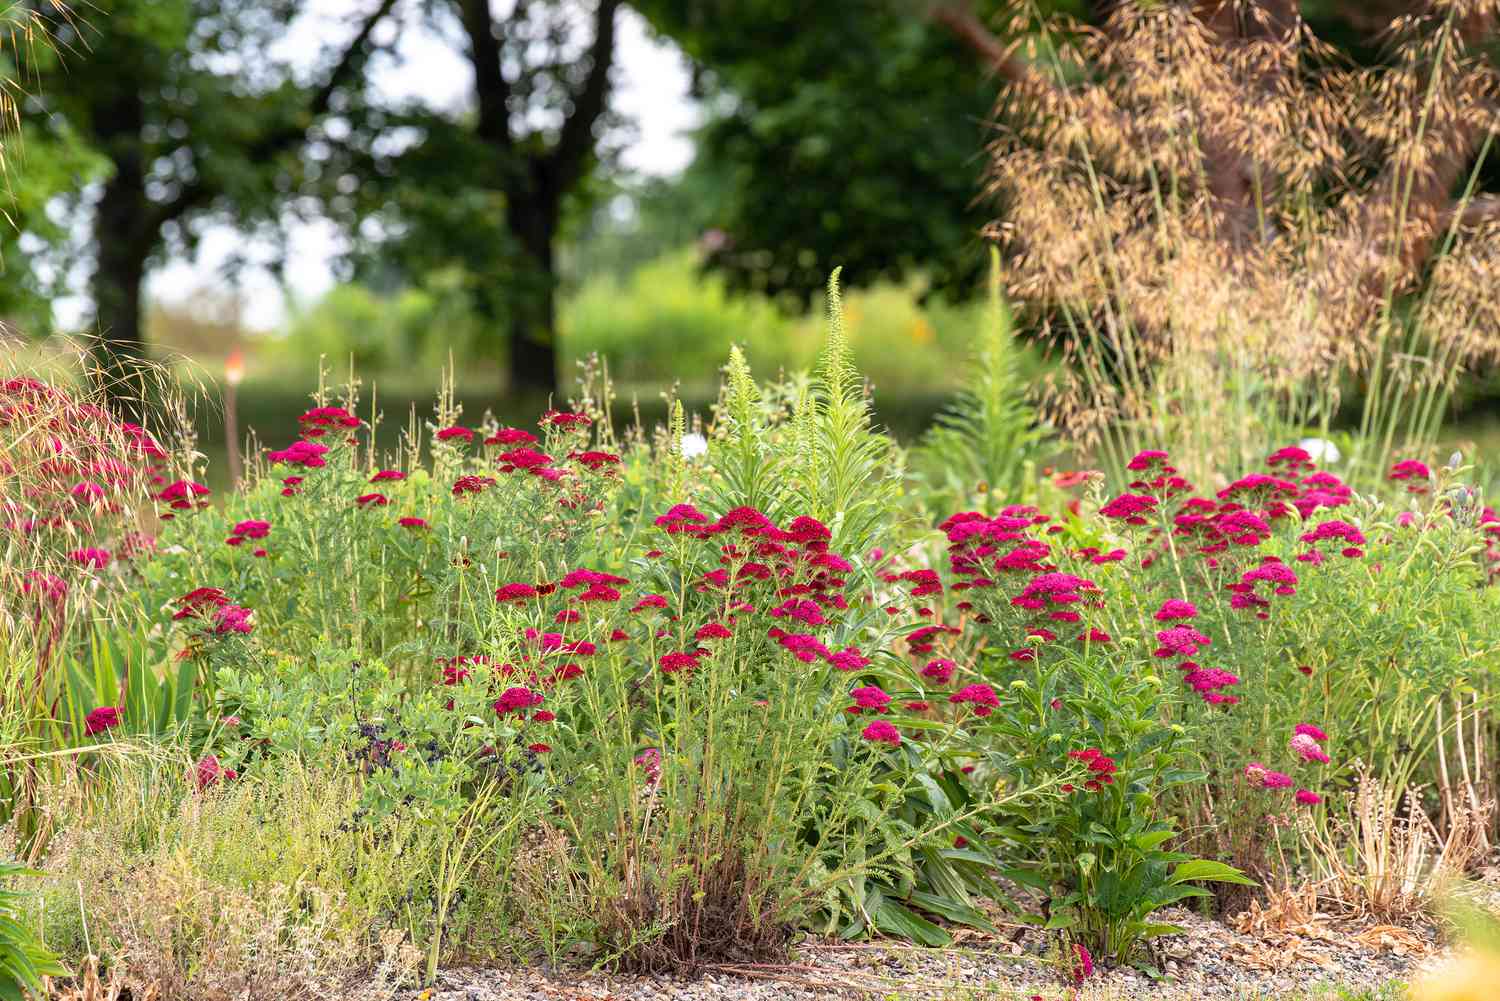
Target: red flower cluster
point(1101, 768)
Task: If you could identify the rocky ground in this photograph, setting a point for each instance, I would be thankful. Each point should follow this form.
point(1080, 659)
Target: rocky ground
point(1288, 951)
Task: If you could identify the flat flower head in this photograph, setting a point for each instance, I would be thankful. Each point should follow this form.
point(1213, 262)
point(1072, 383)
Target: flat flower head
point(510, 436)
point(523, 458)
point(87, 491)
point(1182, 641)
point(589, 578)
point(1176, 608)
point(103, 718)
point(208, 772)
point(849, 659)
point(229, 619)
point(516, 699)
point(595, 460)
point(882, 732)
point(1410, 469)
point(871, 697)
point(1308, 798)
point(940, 670)
point(251, 529)
point(599, 593)
point(804, 647)
point(92, 556)
point(680, 518)
point(455, 434)
point(982, 697)
point(650, 601)
point(1130, 508)
point(1149, 459)
point(307, 454)
point(1308, 748)
point(671, 663)
point(565, 421)
point(1308, 729)
point(808, 531)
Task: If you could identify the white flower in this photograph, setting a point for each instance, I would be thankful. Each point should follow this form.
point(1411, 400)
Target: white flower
point(1321, 450)
point(693, 445)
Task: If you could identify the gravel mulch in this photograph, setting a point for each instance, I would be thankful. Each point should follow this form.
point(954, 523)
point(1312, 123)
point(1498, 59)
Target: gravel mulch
point(1270, 955)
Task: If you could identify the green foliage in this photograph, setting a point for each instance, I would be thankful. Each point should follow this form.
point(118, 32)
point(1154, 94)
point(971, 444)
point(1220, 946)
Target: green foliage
point(669, 315)
point(354, 324)
point(265, 888)
point(842, 470)
point(666, 316)
point(1094, 850)
point(23, 959)
point(844, 135)
point(981, 450)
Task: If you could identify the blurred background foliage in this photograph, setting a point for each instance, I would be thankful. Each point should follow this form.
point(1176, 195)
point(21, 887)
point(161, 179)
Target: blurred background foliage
point(500, 231)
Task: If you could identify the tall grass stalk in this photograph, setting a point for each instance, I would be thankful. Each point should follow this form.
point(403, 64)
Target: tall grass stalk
point(1226, 231)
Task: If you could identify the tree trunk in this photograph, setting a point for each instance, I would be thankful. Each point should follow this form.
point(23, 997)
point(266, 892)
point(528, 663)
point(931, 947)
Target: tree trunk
point(123, 238)
point(533, 319)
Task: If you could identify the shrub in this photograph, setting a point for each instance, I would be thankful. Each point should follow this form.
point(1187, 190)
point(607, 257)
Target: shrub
point(1287, 685)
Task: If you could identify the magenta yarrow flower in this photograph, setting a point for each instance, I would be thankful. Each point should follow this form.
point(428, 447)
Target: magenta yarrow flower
point(940, 670)
point(208, 772)
point(849, 659)
point(1182, 641)
point(307, 454)
point(981, 696)
point(1308, 748)
point(232, 619)
point(1148, 461)
point(517, 699)
point(510, 436)
point(1176, 608)
point(649, 601)
point(882, 732)
point(1409, 469)
point(583, 577)
point(871, 697)
point(87, 491)
point(671, 663)
point(93, 557)
point(103, 718)
point(1130, 508)
point(1277, 780)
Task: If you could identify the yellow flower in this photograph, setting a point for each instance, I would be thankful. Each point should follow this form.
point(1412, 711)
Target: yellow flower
point(1470, 977)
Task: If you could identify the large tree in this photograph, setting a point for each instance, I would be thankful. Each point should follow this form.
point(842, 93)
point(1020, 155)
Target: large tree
point(839, 134)
point(484, 190)
point(188, 118)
